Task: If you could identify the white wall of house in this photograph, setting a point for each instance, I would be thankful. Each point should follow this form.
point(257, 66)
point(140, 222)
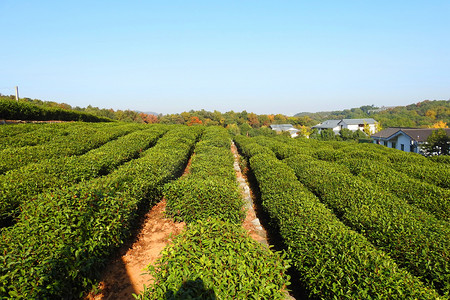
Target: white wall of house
point(351, 127)
point(354, 127)
point(405, 141)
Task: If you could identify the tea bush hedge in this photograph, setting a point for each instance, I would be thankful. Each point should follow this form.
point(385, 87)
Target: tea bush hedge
point(213, 259)
point(62, 238)
point(21, 110)
point(210, 189)
point(19, 185)
point(333, 261)
point(415, 239)
point(81, 141)
point(428, 197)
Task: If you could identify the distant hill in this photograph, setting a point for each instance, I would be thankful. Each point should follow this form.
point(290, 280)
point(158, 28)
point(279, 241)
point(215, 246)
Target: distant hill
point(422, 114)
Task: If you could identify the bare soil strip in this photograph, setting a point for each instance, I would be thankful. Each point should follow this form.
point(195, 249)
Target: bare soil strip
point(124, 276)
point(251, 223)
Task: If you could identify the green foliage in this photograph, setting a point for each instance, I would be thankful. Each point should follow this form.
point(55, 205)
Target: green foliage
point(23, 184)
point(426, 196)
point(421, 114)
point(22, 110)
point(63, 237)
point(42, 134)
point(415, 239)
point(346, 134)
point(210, 189)
point(217, 260)
point(333, 261)
point(81, 140)
point(438, 143)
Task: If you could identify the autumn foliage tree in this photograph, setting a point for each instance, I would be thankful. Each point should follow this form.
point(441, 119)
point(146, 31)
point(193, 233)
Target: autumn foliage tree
point(194, 121)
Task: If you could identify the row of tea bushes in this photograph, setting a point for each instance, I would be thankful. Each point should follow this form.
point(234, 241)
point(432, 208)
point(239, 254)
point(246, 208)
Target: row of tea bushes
point(20, 185)
point(9, 130)
point(210, 189)
point(428, 197)
point(411, 164)
point(81, 141)
point(333, 261)
point(43, 134)
point(416, 240)
point(62, 238)
point(214, 258)
point(22, 110)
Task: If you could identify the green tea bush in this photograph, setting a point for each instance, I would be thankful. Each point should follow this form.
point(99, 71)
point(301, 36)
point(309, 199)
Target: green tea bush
point(19, 185)
point(81, 141)
point(442, 159)
point(43, 134)
point(63, 237)
point(210, 189)
point(20, 110)
point(334, 262)
point(415, 239)
point(428, 197)
point(217, 260)
point(10, 130)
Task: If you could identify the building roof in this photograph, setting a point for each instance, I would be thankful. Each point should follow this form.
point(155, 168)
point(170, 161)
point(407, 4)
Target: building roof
point(282, 127)
point(416, 134)
point(327, 124)
point(358, 121)
point(422, 134)
point(386, 133)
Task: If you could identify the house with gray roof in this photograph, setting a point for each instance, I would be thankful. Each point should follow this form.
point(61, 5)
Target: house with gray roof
point(405, 139)
point(285, 127)
point(351, 124)
point(329, 124)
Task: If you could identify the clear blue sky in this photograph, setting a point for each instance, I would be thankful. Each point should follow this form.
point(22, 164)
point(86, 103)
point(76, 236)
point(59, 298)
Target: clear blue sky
point(260, 56)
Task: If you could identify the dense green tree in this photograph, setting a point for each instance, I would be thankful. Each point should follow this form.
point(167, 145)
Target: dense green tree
point(438, 143)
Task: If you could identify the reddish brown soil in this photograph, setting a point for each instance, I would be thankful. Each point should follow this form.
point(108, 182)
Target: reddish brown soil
point(124, 276)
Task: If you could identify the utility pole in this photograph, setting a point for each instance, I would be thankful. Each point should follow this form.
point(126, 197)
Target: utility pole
point(17, 93)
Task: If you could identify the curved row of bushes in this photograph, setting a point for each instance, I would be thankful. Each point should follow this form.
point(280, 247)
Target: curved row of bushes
point(428, 197)
point(367, 161)
point(81, 140)
point(59, 245)
point(210, 189)
point(20, 110)
point(43, 134)
point(415, 239)
point(20, 185)
point(333, 261)
point(15, 129)
point(214, 258)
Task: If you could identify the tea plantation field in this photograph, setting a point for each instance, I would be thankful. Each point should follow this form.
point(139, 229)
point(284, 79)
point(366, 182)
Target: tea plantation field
point(357, 221)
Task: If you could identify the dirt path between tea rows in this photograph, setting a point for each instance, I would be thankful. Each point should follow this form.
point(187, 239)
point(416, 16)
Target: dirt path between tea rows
point(124, 274)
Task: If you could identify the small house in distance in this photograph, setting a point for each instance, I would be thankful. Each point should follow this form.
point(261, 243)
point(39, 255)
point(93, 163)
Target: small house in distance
point(329, 124)
point(405, 139)
point(350, 124)
point(285, 127)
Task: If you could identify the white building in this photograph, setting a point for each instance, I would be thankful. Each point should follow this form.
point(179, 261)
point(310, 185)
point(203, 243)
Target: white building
point(351, 124)
point(285, 127)
point(358, 124)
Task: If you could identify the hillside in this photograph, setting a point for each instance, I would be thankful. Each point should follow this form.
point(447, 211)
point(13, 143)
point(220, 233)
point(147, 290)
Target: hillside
point(421, 114)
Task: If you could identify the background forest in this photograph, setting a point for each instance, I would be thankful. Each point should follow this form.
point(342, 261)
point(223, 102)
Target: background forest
point(425, 114)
